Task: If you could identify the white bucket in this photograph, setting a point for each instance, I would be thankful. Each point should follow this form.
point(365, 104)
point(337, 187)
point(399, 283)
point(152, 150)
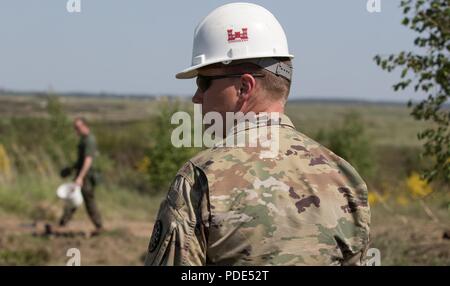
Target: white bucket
point(71, 193)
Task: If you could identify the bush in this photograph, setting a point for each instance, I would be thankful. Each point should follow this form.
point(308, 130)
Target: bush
point(164, 160)
point(350, 141)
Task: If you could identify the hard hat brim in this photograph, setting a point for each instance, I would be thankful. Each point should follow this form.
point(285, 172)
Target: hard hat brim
point(192, 71)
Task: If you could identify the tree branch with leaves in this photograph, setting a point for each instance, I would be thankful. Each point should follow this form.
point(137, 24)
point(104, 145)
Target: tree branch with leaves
point(429, 72)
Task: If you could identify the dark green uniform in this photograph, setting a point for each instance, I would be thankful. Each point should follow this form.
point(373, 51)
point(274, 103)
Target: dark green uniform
point(86, 147)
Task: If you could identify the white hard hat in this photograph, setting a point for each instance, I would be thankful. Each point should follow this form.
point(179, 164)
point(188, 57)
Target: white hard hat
point(239, 31)
point(71, 193)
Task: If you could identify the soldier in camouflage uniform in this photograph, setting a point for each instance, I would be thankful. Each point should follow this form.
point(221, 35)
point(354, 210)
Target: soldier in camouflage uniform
point(86, 175)
point(300, 205)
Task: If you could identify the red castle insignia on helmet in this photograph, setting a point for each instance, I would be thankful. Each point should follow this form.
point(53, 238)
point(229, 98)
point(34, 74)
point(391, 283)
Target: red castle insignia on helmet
point(237, 36)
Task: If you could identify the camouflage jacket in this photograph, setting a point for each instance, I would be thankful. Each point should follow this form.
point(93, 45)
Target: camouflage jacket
point(232, 206)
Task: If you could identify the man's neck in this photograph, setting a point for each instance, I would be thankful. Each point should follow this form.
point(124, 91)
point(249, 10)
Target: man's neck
point(276, 106)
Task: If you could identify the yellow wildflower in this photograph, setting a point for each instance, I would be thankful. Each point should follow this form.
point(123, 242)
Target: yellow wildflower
point(417, 186)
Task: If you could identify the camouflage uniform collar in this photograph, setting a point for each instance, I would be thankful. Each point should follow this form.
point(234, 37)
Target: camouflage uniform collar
point(248, 122)
point(261, 120)
point(286, 121)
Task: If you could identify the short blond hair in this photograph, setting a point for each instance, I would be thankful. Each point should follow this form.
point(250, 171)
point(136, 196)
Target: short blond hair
point(277, 86)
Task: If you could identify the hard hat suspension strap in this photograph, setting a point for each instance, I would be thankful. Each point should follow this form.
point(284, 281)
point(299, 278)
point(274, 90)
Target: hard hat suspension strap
point(275, 66)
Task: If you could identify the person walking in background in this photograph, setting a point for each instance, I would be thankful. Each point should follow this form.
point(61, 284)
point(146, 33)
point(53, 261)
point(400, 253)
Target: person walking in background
point(86, 175)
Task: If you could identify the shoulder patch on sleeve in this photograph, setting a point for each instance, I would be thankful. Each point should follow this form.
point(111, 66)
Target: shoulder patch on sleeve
point(162, 239)
point(156, 236)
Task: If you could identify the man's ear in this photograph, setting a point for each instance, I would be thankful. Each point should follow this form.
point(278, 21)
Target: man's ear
point(247, 87)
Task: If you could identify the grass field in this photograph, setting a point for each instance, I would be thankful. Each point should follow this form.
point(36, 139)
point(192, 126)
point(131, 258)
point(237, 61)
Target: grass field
point(406, 228)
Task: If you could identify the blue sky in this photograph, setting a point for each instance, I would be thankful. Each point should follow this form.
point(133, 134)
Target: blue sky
point(137, 46)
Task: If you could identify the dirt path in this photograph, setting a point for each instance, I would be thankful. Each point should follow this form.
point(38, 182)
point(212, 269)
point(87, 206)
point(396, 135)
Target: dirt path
point(411, 242)
point(23, 242)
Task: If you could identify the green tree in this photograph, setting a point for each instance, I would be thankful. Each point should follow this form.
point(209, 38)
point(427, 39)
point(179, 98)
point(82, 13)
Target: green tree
point(428, 71)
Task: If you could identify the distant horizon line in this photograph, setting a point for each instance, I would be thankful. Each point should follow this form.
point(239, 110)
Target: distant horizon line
point(307, 98)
